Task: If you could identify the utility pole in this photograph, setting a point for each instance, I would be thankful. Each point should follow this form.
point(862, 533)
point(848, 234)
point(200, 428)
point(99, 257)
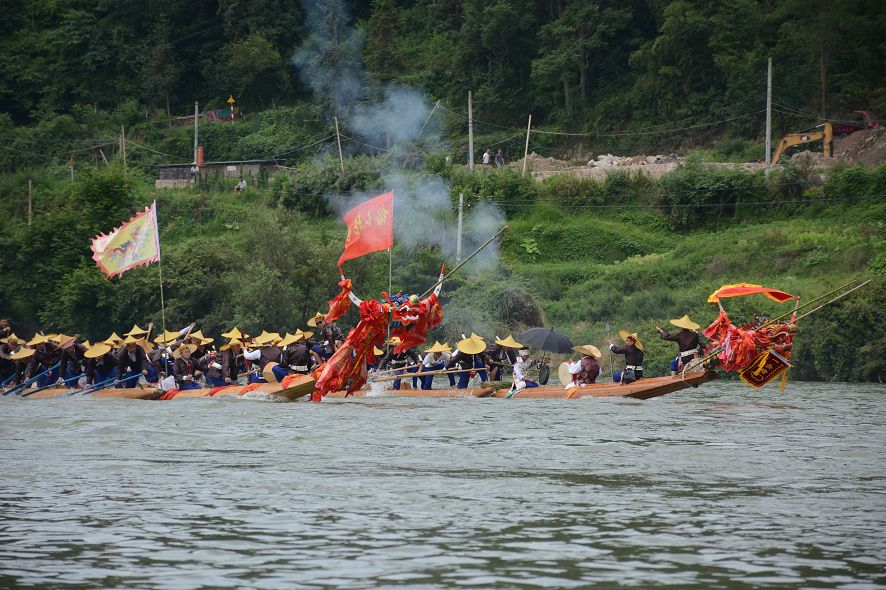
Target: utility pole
point(769, 119)
point(338, 139)
point(526, 149)
point(470, 133)
point(196, 129)
point(461, 206)
point(30, 200)
point(123, 145)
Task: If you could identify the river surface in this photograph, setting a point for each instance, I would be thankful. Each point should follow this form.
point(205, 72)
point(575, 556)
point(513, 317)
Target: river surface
point(717, 487)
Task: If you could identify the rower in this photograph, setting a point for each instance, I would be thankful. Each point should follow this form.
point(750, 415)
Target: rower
point(327, 332)
point(212, 369)
point(585, 370)
point(687, 340)
point(521, 370)
point(503, 354)
point(8, 345)
point(633, 351)
point(71, 362)
point(398, 360)
point(232, 360)
point(132, 363)
point(46, 355)
point(186, 368)
point(267, 353)
point(101, 364)
point(435, 359)
point(470, 355)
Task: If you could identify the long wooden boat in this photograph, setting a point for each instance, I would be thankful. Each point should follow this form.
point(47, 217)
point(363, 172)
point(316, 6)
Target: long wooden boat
point(298, 388)
point(642, 389)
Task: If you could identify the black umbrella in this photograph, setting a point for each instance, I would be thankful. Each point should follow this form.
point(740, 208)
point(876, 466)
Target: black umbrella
point(547, 339)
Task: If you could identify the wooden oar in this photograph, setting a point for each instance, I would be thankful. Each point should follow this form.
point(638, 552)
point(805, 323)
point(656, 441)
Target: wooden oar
point(94, 387)
point(30, 381)
point(441, 372)
point(462, 263)
point(834, 299)
point(388, 371)
point(51, 385)
point(810, 302)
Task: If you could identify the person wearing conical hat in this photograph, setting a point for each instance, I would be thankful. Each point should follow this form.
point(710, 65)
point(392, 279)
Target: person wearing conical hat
point(132, 363)
point(503, 354)
point(633, 352)
point(688, 341)
point(235, 334)
point(186, 368)
point(585, 370)
point(260, 357)
point(470, 355)
point(398, 360)
point(101, 363)
point(137, 332)
point(8, 346)
point(435, 359)
point(72, 363)
point(328, 334)
point(297, 358)
point(232, 360)
point(46, 356)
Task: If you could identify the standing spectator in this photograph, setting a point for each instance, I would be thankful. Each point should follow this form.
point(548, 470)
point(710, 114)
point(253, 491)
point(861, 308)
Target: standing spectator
point(486, 157)
point(241, 186)
point(499, 159)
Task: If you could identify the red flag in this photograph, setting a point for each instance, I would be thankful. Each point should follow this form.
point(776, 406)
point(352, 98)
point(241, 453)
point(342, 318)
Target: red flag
point(370, 227)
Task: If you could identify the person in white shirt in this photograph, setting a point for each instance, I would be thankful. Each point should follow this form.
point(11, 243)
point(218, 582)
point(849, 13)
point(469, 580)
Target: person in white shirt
point(521, 371)
point(435, 359)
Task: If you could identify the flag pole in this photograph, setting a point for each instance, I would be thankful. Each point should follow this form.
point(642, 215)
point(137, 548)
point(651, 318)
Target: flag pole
point(160, 267)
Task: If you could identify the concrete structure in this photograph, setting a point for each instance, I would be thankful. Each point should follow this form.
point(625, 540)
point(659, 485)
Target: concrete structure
point(183, 175)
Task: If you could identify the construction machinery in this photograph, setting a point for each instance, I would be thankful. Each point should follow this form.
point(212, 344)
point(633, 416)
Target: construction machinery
point(823, 133)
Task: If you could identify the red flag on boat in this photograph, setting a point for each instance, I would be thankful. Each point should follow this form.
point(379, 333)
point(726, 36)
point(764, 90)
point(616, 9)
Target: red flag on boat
point(370, 227)
point(742, 289)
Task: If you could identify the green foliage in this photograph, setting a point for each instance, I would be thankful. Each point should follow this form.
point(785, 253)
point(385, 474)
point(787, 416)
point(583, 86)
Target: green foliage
point(503, 186)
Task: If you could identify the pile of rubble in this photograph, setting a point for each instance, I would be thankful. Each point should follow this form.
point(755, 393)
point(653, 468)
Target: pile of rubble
point(610, 161)
point(866, 147)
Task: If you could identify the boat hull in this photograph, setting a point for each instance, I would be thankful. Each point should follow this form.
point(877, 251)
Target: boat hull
point(642, 389)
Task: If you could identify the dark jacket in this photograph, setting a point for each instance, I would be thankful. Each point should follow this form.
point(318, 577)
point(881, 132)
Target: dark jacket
point(232, 362)
point(206, 363)
point(398, 360)
point(297, 355)
point(103, 363)
point(633, 355)
point(135, 364)
point(590, 370)
point(466, 361)
point(43, 358)
point(184, 370)
point(686, 339)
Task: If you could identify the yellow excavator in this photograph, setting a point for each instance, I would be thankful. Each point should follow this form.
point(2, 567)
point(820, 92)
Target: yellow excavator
point(823, 133)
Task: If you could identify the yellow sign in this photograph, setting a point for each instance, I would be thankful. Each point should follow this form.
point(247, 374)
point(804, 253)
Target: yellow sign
point(767, 366)
point(231, 99)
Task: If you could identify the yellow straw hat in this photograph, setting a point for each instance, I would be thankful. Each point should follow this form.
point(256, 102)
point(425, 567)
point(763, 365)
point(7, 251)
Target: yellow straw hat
point(22, 353)
point(509, 342)
point(233, 342)
point(97, 350)
point(589, 350)
point(290, 338)
point(312, 321)
point(393, 340)
point(38, 339)
point(437, 347)
point(113, 339)
point(686, 323)
point(235, 333)
point(625, 335)
point(132, 340)
point(10, 339)
point(306, 334)
point(65, 341)
point(178, 351)
point(262, 338)
point(377, 352)
point(136, 331)
point(472, 345)
point(166, 337)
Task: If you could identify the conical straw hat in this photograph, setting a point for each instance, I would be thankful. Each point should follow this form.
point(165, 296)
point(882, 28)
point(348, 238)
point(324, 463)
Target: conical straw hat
point(97, 350)
point(290, 339)
point(312, 321)
point(437, 347)
point(136, 331)
point(233, 342)
point(625, 335)
point(38, 339)
point(22, 353)
point(588, 349)
point(509, 342)
point(472, 345)
point(235, 333)
point(686, 323)
point(166, 337)
point(113, 339)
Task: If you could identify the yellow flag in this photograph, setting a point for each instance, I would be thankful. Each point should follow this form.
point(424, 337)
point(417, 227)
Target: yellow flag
point(135, 243)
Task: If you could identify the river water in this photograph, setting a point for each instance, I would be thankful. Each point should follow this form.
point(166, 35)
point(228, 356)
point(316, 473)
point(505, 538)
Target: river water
point(716, 487)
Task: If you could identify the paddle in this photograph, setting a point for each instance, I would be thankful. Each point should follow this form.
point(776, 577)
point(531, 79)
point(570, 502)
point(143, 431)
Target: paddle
point(30, 381)
point(93, 388)
point(8, 379)
point(51, 385)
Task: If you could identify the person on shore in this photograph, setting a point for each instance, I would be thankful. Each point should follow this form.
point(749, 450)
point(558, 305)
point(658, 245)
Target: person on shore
point(486, 157)
point(499, 159)
point(435, 359)
point(241, 186)
point(521, 371)
point(687, 339)
point(132, 363)
point(585, 370)
point(633, 353)
point(186, 368)
point(469, 356)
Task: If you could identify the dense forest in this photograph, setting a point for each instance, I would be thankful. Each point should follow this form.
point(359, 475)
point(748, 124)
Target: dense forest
point(82, 80)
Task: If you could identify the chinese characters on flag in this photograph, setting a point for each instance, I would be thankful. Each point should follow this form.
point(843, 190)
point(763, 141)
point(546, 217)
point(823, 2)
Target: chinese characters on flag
point(370, 227)
point(767, 366)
